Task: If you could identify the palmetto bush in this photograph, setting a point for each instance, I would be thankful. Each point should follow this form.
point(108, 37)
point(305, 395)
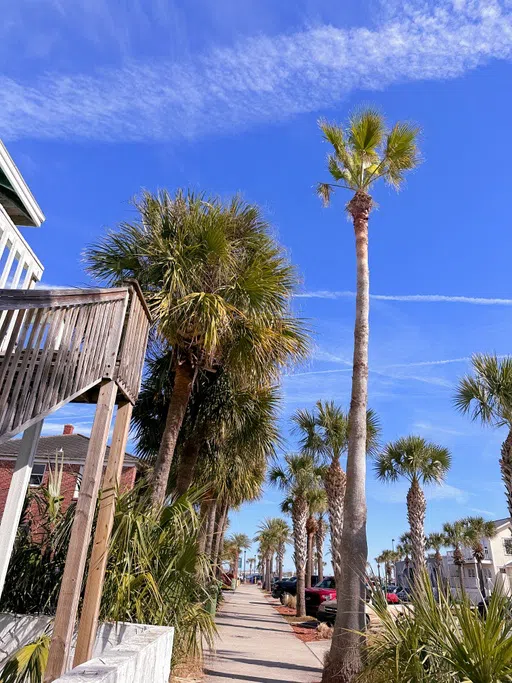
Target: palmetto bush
point(438, 640)
point(155, 574)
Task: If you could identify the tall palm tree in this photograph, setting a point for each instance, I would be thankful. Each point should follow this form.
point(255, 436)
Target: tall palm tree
point(456, 535)
point(435, 541)
point(321, 529)
point(363, 153)
point(273, 535)
point(324, 433)
point(420, 462)
point(486, 395)
point(478, 529)
point(239, 542)
point(218, 286)
point(298, 477)
point(283, 536)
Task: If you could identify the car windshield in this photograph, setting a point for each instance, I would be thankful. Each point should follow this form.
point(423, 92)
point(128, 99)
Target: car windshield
point(326, 583)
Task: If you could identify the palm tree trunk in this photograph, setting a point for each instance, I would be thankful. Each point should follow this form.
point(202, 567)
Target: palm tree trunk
point(344, 660)
point(280, 560)
point(481, 579)
point(506, 469)
point(335, 481)
point(416, 508)
point(203, 526)
point(210, 526)
point(235, 568)
point(183, 381)
point(187, 465)
point(220, 529)
point(319, 538)
point(461, 579)
point(309, 561)
point(299, 519)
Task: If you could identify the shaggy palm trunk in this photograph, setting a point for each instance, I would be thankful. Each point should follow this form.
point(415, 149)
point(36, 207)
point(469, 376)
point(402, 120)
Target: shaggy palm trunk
point(335, 482)
point(387, 569)
point(344, 660)
point(222, 516)
point(280, 561)
point(203, 526)
point(235, 568)
point(416, 508)
point(458, 560)
point(311, 531)
point(182, 389)
point(479, 556)
point(319, 540)
point(506, 469)
point(187, 466)
point(299, 518)
point(210, 527)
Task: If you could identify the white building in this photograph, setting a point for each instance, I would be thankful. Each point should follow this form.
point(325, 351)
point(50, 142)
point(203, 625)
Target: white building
point(496, 566)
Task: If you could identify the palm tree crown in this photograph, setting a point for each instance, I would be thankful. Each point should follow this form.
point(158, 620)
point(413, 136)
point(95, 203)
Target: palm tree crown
point(420, 462)
point(365, 152)
point(412, 457)
point(487, 396)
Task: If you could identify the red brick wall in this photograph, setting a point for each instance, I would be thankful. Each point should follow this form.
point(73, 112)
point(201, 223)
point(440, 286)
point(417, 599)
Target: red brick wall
point(69, 475)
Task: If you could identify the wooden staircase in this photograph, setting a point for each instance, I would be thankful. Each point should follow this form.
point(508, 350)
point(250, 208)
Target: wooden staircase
point(57, 346)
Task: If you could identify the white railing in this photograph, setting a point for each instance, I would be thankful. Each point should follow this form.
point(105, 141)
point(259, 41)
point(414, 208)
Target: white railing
point(21, 268)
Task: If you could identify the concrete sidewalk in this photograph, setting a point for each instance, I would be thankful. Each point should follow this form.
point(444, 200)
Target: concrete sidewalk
point(256, 644)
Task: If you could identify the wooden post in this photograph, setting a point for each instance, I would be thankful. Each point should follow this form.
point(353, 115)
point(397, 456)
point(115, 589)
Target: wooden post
point(16, 496)
point(98, 562)
point(69, 595)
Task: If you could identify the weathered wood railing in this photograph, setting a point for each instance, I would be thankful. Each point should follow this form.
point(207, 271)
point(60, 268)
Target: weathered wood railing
point(57, 345)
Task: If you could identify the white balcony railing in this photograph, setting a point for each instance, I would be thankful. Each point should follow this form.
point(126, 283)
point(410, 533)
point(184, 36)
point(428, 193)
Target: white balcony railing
point(19, 266)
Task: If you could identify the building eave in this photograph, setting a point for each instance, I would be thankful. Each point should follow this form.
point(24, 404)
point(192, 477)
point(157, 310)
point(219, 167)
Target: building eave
point(35, 216)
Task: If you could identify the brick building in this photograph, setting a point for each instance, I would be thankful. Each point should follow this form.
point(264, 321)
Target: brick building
point(71, 449)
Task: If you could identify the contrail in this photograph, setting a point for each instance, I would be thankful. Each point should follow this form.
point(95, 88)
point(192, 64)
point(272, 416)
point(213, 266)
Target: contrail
point(411, 298)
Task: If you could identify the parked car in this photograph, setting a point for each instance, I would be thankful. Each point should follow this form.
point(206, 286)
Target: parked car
point(327, 612)
point(284, 586)
point(288, 586)
point(397, 595)
point(325, 590)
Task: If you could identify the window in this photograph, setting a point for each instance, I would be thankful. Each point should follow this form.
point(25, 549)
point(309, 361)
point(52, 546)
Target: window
point(471, 572)
point(326, 583)
point(37, 476)
point(79, 476)
point(507, 545)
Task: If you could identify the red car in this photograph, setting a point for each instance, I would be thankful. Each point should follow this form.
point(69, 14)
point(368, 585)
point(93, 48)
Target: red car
point(392, 598)
point(325, 590)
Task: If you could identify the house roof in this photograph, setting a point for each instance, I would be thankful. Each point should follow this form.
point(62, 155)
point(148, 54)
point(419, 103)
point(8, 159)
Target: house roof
point(15, 196)
point(74, 447)
point(501, 522)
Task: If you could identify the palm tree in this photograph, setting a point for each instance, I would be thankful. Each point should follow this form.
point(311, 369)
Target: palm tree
point(252, 564)
point(238, 542)
point(486, 395)
point(298, 478)
point(456, 535)
point(218, 286)
point(324, 433)
point(317, 503)
point(387, 558)
point(363, 153)
point(283, 536)
point(321, 529)
point(420, 462)
point(404, 551)
point(478, 529)
point(435, 541)
point(273, 535)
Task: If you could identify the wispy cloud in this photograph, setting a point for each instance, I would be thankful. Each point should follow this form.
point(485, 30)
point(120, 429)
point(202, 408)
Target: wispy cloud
point(260, 79)
point(398, 492)
point(411, 298)
point(426, 363)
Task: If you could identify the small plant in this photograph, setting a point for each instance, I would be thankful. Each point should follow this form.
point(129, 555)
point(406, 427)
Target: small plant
point(290, 601)
point(324, 631)
point(27, 665)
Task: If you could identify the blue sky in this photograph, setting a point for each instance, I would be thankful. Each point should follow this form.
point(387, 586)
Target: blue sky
point(99, 99)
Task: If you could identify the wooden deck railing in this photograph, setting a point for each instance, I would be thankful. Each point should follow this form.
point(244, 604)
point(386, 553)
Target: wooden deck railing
point(56, 345)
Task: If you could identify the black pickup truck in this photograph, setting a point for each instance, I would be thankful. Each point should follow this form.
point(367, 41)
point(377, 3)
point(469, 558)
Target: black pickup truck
point(288, 586)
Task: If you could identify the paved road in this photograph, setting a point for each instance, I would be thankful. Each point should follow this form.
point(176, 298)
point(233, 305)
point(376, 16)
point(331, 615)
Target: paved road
point(256, 644)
